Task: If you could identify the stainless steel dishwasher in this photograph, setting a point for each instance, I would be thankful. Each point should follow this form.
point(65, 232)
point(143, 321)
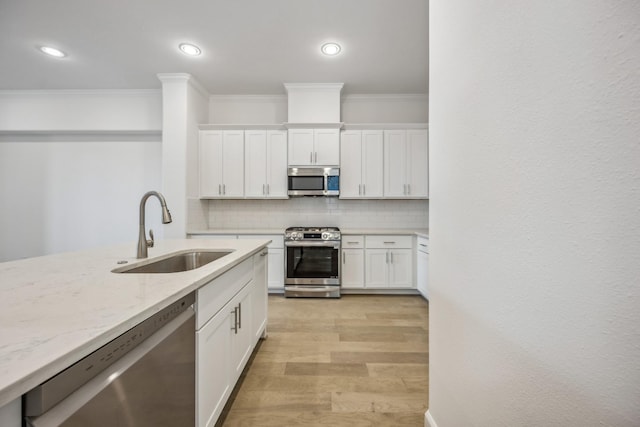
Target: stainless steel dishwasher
point(145, 377)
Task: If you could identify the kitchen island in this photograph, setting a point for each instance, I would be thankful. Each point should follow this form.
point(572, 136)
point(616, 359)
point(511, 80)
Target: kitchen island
point(54, 310)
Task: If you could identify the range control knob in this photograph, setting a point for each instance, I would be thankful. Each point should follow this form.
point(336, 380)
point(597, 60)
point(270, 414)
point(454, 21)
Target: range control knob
point(326, 236)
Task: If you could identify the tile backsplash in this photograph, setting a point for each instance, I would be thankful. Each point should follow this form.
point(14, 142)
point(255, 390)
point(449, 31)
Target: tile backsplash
point(307, 211)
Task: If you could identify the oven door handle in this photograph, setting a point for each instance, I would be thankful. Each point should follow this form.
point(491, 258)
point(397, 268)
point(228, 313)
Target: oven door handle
point(298, 244)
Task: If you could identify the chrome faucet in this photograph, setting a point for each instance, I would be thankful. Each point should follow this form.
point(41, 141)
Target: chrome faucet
point(143, 243)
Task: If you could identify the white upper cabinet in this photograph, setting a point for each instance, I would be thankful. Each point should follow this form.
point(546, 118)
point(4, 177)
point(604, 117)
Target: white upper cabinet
point(361, 168)
point(221, 164)
point(314, 147)
point(265, 164)
point(406, 164)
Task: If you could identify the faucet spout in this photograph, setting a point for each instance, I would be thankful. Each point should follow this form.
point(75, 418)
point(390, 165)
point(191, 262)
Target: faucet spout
point(143, 243)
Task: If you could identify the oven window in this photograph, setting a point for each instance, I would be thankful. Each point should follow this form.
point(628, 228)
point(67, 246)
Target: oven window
point(306, 183)
point(312, 262)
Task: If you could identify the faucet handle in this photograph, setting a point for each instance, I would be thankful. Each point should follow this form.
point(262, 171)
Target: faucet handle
point(150, 241)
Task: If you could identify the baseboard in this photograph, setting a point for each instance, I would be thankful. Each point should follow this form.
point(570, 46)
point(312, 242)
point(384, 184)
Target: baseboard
point(428, 420)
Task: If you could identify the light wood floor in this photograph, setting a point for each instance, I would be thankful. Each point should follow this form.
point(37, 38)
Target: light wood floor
point(361, 360)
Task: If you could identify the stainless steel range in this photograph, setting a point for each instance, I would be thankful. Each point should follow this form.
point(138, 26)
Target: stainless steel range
point(312, 262)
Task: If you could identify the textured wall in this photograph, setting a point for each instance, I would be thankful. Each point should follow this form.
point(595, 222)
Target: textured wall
point(535, 213)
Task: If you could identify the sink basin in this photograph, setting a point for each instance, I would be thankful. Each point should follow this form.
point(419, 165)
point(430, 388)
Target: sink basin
point(175, 263)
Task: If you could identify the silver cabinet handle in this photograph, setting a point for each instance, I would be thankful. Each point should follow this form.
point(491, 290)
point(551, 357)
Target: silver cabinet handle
point(219, 189)
point(408, 188)
point(352, 243)
point(263, 193)
point(310, 157)
point(343, 259)
point(268, 189)
point(264, 253)
point(387, 257)
point(315, 159)
point(359, 189)
point(389, 243)
point(423, 245)
point(234, 328)
point(405, 189)
point(364, 189)
point(240, 315)
point(391, 253)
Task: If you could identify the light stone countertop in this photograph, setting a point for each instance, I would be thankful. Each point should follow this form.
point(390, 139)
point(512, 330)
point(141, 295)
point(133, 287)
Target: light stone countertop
point(56, 309)
point(423, 232)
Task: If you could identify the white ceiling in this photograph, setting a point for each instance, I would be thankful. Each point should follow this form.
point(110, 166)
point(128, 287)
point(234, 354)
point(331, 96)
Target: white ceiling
point(249, 46)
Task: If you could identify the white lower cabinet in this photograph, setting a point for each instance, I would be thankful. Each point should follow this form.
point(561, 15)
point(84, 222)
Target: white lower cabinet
point(422, 267)
point(213, 376)
point(389, 262)
point(230, 313)
point(275, 270)
point(352, 262)
point(260, 294)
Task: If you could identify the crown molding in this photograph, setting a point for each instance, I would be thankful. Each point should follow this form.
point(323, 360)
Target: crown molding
point(317, 87)
point(183, 77)
point(252, 98)
point(386, 97)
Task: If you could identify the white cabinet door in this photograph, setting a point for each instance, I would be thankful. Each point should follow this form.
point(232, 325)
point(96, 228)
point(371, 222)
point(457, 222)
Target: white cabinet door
point(213, 366)
point(259, 295)
point(276, 269)
point(314, 147)
point(242, 338)
point(400, 268)
point(352, 268)
point(326, 147)
point(221, 164)
point(255, 161)
point(276, 159)
point(210, 163)
point(300, 147)
point(376, 268)
point(351, 164)
point(395, 154)
point(233, 164)
point(372, 163)
point(422, 273)
point(418, 163)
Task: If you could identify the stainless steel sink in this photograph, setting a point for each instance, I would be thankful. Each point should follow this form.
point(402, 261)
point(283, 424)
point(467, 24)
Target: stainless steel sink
point(175, 263)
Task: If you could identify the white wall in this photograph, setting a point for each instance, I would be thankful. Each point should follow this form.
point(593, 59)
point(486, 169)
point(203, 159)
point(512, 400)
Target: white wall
point(81, 110)
point(535, 213)
point(242, 109)
point(73, 169)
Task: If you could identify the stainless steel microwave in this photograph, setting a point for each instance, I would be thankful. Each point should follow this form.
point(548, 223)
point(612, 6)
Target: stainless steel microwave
point(314, 181)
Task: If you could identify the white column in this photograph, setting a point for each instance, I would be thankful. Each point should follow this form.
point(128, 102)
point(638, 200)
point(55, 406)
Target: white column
point(184, 107)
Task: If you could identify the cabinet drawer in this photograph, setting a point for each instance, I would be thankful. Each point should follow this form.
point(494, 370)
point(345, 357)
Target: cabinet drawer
point(389, 242)
point(352, 242)
point(422, 244)
point(214, 295)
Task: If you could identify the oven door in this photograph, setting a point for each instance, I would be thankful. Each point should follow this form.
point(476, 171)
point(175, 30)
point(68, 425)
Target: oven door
point(312, 263)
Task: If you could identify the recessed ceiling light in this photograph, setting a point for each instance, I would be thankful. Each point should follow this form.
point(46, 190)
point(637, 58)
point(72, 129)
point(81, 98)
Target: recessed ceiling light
point(190, 49)
point(330, 49)
point(52, 51)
